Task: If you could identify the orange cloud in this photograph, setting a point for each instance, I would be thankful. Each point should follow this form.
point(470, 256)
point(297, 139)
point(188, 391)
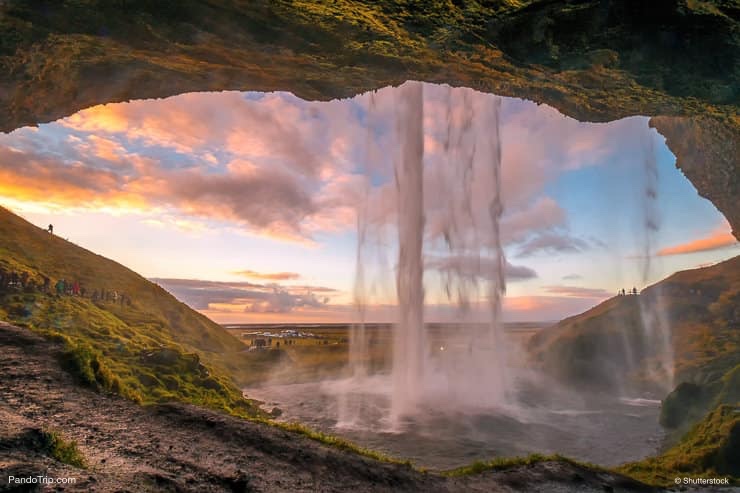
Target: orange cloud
point(269, 276)
point(716, 240)
point(578, 292)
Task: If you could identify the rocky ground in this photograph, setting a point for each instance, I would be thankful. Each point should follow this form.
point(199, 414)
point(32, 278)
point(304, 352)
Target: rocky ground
point(177, 447)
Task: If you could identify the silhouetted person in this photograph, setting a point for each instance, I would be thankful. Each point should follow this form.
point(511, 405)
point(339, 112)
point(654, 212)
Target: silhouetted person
point(634, 290)
point(50, 229)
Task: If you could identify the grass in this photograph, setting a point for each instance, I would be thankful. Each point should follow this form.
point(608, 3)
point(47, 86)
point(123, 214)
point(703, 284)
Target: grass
point(710, 449)
point(62, 450)
point(697, 303)
point(337, 442)
point(702, 411)
point(155, 350)
point(504, 463)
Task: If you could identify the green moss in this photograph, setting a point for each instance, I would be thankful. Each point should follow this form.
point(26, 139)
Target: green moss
point(62, 450)
point(710, 449)
point(153, 350)
point(335, 442)
point(503, 463)
point(687, 403)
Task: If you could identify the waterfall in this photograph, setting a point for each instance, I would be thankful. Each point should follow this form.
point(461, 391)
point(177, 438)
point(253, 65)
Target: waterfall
point(445, 210)
point(409, 346)
point(653, 316)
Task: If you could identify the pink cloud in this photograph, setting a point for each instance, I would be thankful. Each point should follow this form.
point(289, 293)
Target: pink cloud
point(278, 166)
point(578, 292)
point(718, 239)
point(269, 276)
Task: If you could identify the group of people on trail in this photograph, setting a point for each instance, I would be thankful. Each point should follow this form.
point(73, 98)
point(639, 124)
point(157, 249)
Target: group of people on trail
point(73, 288)
point(622, 292)
point(14, 281)
point(111, 296)
point(64, 287)
point(24, 282)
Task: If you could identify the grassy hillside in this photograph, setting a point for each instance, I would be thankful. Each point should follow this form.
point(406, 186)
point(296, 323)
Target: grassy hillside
point(711, 449)
point(150, 348)
point(607, 347)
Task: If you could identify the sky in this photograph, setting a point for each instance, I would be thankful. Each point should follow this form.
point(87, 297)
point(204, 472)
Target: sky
point(246, 205)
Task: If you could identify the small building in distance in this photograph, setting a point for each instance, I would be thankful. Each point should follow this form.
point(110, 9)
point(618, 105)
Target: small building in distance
point(259, 343)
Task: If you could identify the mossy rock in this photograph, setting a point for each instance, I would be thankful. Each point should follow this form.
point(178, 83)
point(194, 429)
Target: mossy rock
point(685, 403)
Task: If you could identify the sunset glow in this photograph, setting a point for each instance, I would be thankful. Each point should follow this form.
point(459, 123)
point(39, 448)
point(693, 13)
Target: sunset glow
point(248, 201)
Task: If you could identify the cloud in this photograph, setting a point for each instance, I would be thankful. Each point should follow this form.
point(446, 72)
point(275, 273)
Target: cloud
point(715, 241)
point(270, 201)
point(578, 292)
point(269, 276)
point(572, 277)
point(274, 165)
point(544, 214)
point(552, 243)
point(519, 272)
point(479, 267)
point(36, 176)
point(550, 308)
point(245, 296)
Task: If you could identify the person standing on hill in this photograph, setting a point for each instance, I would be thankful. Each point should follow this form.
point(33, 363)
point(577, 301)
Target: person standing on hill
point(60, 287)
point(50, 229)
point(46, 285)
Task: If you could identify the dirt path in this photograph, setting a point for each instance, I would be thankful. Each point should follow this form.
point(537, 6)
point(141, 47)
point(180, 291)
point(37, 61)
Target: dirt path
point(184, 448)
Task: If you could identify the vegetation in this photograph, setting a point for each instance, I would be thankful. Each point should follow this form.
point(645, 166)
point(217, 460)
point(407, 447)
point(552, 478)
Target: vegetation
point(590, 350)
point(593, 349)
point(62, 450)
point(710, 449)
point(340, 443)
point(155, 350)
point(504, 463)
point(309, 359)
